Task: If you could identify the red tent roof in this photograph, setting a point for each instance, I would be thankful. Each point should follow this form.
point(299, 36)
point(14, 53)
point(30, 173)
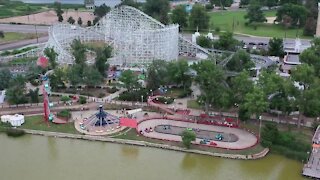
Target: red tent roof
point(132, 123)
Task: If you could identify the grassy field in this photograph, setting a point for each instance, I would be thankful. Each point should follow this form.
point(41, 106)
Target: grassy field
point(37, 123)
point(14, 36)
point(193, 104)
point(224, 20)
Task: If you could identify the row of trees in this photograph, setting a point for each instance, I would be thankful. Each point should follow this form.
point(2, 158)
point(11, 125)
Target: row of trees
point(290, 14)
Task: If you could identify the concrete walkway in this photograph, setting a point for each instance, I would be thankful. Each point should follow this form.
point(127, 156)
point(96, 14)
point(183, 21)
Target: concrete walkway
point(246, 139)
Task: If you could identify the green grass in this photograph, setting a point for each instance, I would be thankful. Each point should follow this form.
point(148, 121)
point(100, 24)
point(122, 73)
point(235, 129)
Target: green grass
point(37, 123)
point(224, 20)
point(14, 8)
point(23, 60)
point(175, 92)
point(14, 36)
point(193, 104)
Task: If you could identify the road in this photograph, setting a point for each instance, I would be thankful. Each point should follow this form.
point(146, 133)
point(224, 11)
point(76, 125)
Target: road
point(23, 28)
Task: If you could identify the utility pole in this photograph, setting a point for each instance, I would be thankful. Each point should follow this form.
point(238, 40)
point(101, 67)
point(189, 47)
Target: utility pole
point(35, 27)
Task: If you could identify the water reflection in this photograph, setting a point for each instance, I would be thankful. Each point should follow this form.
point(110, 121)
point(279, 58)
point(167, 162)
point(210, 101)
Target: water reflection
point(52, 148)
point(130, 151)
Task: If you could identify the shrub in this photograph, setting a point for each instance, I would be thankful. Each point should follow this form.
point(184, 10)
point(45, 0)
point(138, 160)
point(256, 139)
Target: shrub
point(188, 136)
point(64, 113)
point(15, 132)
point(65, 98)
point(165, 100)
point(101, 95)
point(185, 93)
point(82, 100)
point(112, 90)
point(134, 95)
point(217, 30)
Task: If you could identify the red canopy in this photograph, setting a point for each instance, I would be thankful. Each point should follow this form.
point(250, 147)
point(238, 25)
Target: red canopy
point(132, 123)
point(43, 62)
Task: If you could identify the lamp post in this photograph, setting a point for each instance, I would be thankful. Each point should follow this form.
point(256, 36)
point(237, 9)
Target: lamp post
point(260, 128)
point(141, 100)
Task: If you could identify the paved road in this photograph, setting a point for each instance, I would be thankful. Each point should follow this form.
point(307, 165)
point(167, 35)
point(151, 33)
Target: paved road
point(22, 43)
point(23, 28)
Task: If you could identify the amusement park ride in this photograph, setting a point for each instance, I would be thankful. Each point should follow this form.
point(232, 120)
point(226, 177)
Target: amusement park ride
point(46, 91)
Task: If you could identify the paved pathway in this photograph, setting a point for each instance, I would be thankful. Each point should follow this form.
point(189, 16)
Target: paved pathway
point(246, 139)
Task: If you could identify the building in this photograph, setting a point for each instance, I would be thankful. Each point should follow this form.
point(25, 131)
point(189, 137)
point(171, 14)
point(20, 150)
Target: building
point(89, 4)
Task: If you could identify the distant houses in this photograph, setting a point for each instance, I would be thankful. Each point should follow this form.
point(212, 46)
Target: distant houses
point(89, 4)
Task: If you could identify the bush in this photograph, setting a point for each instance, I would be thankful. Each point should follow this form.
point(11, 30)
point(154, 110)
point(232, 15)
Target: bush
point(64, 113)
point(185, 93)
point(165, 100)
point(217, 30)
point(134, 95)
point(101, 95)
point(188, 136)
point(15, 132)
point(111, 90)
point(82, 100)
point(65, 98)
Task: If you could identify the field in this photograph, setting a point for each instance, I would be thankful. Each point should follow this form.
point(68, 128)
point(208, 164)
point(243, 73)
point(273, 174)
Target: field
point(225, 20)
point(14, 36)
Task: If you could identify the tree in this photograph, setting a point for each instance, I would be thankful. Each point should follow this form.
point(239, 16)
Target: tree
point(269, 135)
point(71, 20)
point(101, 10)
point(75, 74)
point(102, 56)
point(276, 47)
point(255, 14)
point(79, 21)
point(205, 42)
point(91, 76)
point(89, 23)
point(311, 21)
point(132, 3)
point(158, 9)
point(211, 81)
point(244, 3)
point(78, 51)
point(187, 137)
point(311, 56)
point(256, 102)
point(15, 92)
point(1, 34)
point(34, 95)
point(57, 78)
point(178, 73)
point(221, 3)
point(58, 10)
point(306, 97)
point(5, 77)
point(240, 61)
point(199, 19)
point(52, 56)
point(95, 20)
point(180, 16)
point(240, 86)
point(226, 42)
point(157, 74)
point(60, 18)
point(129, 79)
point(297, 14)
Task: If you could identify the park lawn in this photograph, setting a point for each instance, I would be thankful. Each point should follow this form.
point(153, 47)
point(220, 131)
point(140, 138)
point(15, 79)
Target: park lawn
point(193, 104)
point(14, 8)
point(22, 60)
point(37, 123)
point(14, 36)
point(225, 19)
point(175, 92)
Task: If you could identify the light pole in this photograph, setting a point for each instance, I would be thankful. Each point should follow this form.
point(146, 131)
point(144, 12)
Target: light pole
point(260, 128)
point(141, 100)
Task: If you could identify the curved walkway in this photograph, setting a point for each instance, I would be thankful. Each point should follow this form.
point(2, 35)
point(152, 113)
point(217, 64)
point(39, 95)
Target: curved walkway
point(246, 139)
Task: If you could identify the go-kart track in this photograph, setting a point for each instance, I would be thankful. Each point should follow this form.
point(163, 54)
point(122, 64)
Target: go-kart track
point(234, 138)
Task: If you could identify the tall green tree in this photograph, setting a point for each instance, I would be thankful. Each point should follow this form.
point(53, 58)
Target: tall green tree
point(199, 19)
point(5, 77)
point(240, 86)
point(79, 21)
point(311, 21)
point(58, 9)
point(180, 16)
point(178, 73)
point(276, 47)
point(34, 95)
point(296, 13)
point(240, 61)
point(91, 76)
point(57, 78)
point(102, 56)
point(256, 102)
point(255, 14)
point(75, 74)
point(101, 10)
point(52, 57)
point(15, 94)
point(78, 51)
point(311, 56)
point(129, 79)
point(226, 42)
point(71, 20)
point(158, 9)
point(187, 137)
point(157, 74)
point(212, 83)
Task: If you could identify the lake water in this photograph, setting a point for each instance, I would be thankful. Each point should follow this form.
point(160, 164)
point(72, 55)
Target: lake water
point(47, 158)
point(110, 3)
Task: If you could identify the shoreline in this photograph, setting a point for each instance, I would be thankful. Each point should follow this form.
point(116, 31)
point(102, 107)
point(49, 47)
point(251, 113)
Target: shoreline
point(259, 155)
